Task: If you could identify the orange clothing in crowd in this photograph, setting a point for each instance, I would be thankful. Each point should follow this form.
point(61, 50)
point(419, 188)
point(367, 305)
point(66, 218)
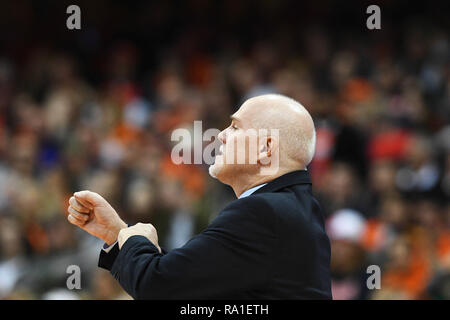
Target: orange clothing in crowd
point(192, 178)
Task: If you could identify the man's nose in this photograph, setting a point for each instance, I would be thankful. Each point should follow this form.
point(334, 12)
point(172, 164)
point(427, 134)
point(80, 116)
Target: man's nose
point(222, 136)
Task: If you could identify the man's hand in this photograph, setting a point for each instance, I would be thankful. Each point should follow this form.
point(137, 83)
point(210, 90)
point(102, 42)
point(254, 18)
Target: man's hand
point(140, 229)
point(92, 213)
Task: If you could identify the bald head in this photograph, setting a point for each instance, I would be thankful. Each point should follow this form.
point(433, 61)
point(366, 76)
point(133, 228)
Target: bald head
point(296, 127)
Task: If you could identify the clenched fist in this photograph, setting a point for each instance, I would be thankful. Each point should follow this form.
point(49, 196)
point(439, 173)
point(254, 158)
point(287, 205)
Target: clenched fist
point(92, 213)
point(140, 229)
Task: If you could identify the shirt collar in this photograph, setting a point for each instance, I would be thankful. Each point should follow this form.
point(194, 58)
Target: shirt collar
point(251, 190)
point(286, 180)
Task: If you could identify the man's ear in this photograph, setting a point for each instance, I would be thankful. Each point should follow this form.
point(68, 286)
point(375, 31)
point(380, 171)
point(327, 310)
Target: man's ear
point(268, 146)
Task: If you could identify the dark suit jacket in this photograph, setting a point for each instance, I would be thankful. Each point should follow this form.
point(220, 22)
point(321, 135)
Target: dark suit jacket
point(269, 245)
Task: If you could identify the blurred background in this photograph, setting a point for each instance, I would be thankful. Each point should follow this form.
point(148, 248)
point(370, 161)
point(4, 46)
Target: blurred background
point(94, 109)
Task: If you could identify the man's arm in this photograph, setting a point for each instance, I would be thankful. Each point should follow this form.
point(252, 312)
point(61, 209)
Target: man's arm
point(235, 253)
point(108, 255)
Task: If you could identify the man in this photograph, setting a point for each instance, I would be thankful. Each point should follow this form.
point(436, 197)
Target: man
point(270, 243)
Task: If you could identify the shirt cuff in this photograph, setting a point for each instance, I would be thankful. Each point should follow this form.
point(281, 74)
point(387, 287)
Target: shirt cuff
point(107, 248)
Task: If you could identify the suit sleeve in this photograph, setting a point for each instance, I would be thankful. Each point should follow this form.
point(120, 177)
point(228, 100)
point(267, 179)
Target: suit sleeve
point(235, 253)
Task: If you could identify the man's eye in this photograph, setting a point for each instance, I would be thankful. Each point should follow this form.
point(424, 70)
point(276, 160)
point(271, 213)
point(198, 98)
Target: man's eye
point(234, 127)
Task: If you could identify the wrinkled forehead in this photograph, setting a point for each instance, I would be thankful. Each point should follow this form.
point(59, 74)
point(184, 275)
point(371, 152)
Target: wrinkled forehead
point(252, 110)
point(270, 110)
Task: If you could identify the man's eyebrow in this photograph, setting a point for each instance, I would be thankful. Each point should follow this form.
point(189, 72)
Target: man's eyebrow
point(234, 118)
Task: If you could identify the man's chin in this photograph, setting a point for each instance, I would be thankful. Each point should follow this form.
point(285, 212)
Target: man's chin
point(214, 171)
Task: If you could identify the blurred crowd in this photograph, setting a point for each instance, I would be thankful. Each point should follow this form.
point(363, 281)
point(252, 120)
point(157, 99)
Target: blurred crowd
point(100, 117)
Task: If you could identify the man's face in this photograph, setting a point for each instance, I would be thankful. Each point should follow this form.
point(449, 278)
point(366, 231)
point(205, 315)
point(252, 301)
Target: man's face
point(239, 149)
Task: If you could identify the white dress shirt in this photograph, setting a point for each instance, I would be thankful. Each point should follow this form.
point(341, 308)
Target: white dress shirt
point(251, 190)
